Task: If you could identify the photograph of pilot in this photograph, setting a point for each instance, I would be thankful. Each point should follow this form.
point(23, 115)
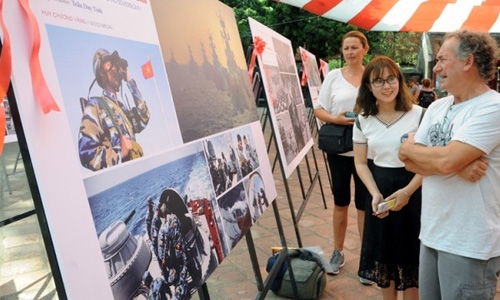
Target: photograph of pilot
point(222, 162)
point(256, 195)
point(235, 214)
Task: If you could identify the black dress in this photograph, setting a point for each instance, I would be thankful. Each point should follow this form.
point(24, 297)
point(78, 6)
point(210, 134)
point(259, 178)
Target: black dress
point(390, 248)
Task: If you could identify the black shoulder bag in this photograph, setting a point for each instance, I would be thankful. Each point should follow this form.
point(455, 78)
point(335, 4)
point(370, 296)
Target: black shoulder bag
point(335, 139)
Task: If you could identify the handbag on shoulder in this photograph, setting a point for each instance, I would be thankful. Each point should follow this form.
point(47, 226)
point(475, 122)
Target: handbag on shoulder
point(335, 139)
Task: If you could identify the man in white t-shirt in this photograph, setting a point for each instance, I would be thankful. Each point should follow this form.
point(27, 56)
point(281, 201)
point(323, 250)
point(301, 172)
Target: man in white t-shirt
point(457, 149)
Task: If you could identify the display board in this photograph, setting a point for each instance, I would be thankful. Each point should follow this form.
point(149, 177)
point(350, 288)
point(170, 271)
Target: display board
point(284, 95)
point(312, 75)
point(156, 165)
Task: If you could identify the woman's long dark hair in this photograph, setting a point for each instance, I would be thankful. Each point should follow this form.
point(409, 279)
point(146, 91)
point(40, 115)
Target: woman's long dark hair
point(366, 103)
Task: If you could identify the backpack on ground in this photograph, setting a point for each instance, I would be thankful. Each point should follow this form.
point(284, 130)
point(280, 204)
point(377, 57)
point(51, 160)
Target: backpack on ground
point(308, 272)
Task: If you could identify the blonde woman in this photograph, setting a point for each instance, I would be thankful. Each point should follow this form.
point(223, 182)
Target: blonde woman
point(337, 97)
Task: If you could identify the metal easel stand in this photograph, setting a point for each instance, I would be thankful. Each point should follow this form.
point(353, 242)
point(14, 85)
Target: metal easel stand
point(313, 123)
point(264, 285)
point(314, 177)
point(24, 154)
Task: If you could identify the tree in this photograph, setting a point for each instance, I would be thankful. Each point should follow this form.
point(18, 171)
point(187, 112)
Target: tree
point(320, 36)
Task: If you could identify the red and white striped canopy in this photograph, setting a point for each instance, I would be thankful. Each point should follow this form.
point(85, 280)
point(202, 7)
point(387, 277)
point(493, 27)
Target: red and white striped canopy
point(408, 15)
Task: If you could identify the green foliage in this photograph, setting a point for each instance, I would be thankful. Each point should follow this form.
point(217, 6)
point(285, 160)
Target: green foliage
point(320, 36)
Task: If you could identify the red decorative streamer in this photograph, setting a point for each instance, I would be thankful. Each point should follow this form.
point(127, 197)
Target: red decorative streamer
point(322, 66)
point(40, 89)
point(258, 47)
point(5, 71)
point(305, 68)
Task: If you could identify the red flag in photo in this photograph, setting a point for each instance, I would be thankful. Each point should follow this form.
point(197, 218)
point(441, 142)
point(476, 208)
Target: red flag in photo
point(147, 70)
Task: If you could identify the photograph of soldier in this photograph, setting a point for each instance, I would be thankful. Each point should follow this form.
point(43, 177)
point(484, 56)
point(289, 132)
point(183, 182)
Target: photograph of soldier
point(222, 162)
point(169, 213)
point(283, 89)
point(287, 135)
point(250, 152)
point(235, 214)
point(245, 161)
point(157, 288)
point(281, 95)
point(314, 78)
point(109, 124)
point(9, 123)
point(301, 123)
point(290, 83)
point(185, 252)
point(256, 195)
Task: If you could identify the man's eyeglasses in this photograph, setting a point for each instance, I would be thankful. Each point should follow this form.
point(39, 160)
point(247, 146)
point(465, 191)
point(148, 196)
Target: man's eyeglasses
point(380, 82)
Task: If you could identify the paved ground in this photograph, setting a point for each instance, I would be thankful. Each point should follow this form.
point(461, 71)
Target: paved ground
point(24, 270)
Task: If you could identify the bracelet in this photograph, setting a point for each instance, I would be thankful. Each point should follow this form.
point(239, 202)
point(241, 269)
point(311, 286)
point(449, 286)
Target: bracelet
point(406, 193)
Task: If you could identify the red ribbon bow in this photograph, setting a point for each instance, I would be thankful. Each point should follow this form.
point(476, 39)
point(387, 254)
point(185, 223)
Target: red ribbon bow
point(40, 89)
point(305, 68)
point(258, 47)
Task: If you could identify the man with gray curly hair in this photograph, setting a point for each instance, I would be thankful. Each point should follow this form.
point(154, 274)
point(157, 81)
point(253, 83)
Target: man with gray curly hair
point(457, 149)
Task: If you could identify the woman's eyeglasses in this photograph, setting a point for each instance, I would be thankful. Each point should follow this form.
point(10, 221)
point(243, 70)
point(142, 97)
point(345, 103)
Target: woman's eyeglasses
point(380, 82)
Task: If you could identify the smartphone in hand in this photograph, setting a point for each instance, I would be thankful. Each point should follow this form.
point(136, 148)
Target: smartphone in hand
point(385, 206)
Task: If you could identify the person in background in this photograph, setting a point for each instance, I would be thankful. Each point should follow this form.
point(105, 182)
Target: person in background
point(426, 95)
point(390, 245)
point(414, 88)
point(457, 150)
point(336, 98)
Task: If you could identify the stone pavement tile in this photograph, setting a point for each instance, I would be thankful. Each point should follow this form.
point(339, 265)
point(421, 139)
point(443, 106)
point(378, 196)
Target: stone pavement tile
point(341, 287)
point(32, 285)
point(19, 267)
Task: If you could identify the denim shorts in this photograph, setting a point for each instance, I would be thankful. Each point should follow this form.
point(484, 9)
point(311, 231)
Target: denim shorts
point(447, 276)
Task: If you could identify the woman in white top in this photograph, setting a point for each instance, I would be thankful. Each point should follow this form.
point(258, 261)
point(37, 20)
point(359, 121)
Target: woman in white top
point(336, 98)
point(390, 244)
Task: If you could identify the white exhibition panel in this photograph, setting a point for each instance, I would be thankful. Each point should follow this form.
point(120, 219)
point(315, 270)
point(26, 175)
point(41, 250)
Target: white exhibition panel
point(71, 31)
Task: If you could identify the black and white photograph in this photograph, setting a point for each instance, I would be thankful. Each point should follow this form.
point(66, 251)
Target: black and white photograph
point(285, 96)
point(223, 162)
point(246, 151)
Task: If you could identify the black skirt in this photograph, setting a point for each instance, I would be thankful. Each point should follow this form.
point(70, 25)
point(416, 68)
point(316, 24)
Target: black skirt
point(390, 247)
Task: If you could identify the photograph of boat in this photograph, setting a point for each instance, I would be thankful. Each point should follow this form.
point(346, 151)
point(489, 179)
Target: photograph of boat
point(173, 232)
point(126, 258)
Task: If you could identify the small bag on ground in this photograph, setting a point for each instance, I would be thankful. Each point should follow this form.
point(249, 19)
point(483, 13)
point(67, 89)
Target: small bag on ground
point(308, 273)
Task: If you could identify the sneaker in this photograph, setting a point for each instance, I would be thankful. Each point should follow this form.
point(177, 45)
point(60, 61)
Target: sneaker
point(366, 281)
point(337, 261)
